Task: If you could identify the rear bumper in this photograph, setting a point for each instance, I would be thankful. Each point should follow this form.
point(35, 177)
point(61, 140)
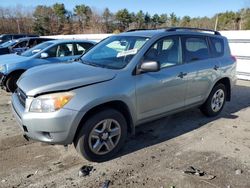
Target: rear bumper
point(54, 128)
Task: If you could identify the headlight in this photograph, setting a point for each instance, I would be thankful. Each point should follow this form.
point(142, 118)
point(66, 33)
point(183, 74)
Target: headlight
point(50, 102)
point(2, 68)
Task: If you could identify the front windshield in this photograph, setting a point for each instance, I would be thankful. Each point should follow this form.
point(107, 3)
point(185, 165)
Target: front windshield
point(8, 43)
point(36, 49)
point(114, 52)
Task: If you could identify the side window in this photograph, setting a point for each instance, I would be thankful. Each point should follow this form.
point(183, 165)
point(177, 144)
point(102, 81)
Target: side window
point(165, 51)
point(82, 47)
point(52, 51)
point(217, 47)
point(32, 43)
point(7, 37)
point(22, 44)
point(195, 48)
point(61, 50)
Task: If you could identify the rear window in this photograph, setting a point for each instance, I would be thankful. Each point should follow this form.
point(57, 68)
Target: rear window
point(217, 47)
point(196, 48)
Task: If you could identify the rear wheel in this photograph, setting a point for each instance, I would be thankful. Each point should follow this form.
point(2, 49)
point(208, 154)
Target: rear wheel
point(215, 102)
point(11, 82)
point(102, 135)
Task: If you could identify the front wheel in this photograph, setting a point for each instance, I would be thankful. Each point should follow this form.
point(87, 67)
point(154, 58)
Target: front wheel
point(101, 136)
point(215, 102)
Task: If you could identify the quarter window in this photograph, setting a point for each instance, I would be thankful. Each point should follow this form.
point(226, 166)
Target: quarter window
point(195, 48)
point(217, 47)
point(82, 47)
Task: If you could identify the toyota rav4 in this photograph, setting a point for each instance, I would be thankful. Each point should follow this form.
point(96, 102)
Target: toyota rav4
point(124, 81)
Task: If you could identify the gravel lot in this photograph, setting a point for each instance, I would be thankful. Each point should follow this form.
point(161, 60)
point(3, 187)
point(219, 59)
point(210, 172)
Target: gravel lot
point(155, 157)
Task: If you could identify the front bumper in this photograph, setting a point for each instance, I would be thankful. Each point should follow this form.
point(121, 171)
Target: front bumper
point(55, 128)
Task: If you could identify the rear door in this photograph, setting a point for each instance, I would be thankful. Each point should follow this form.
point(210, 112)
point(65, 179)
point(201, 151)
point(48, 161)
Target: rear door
point(160, 92)
point(201, 69)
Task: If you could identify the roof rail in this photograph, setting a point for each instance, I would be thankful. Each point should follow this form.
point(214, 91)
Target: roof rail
point(194, 29)
point(131, 30)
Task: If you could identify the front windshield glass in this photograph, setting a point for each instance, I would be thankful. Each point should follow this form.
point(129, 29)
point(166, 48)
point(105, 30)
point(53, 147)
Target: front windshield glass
point(36, 49)
point(8, 43)
point(114, 52)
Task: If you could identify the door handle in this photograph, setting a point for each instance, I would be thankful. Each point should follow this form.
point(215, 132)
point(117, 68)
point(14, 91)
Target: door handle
point(216, 67)
point(182, 74)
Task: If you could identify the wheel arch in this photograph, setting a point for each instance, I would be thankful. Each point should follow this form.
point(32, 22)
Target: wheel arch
point(227, 83)
point(19, 71)
point(118, 105)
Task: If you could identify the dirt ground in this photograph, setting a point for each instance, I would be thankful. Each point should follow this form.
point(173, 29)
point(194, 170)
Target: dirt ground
point(156, 157)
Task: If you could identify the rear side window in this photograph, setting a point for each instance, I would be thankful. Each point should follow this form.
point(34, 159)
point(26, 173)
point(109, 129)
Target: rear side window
point(217, 47)
point(195, 48)
point(82, 47)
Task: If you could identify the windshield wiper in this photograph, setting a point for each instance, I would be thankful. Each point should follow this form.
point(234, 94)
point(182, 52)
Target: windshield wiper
point(87, 63)
point(94, 64)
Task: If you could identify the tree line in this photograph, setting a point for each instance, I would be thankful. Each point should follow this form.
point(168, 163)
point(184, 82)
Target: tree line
point(56, 19)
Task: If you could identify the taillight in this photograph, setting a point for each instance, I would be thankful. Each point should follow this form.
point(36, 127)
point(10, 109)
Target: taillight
point(234, 58)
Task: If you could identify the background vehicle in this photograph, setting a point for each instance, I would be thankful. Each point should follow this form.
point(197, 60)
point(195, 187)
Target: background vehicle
point(124, 81)
point(54, 51)
point(20, 45)
point(7, 37)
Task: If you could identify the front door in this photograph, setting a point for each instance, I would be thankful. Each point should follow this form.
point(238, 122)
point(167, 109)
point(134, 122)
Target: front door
point(160, 92)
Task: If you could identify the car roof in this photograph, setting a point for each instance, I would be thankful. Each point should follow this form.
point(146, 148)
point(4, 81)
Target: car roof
point(174, 30)
point(142, 33)
point(28, 38)
point(58, 41)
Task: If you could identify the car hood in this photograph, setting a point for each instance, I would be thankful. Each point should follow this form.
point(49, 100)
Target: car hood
point(62, 77)
point(11, 58)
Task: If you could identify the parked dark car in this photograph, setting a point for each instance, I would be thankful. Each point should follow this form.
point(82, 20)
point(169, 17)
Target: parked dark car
point(21, 45)
point(7, 37)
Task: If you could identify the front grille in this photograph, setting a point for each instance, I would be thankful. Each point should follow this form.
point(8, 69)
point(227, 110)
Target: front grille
point(21, 96)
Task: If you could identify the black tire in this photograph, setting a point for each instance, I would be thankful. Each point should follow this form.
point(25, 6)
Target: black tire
point(11, 82)
point(206, 108)
point(82, 141)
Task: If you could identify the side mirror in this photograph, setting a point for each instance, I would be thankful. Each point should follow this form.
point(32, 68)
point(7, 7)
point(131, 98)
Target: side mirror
point(149, 66)
point(44, 55)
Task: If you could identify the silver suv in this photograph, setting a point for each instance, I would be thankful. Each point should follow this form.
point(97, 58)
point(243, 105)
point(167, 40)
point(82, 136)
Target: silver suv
point(124, 81)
